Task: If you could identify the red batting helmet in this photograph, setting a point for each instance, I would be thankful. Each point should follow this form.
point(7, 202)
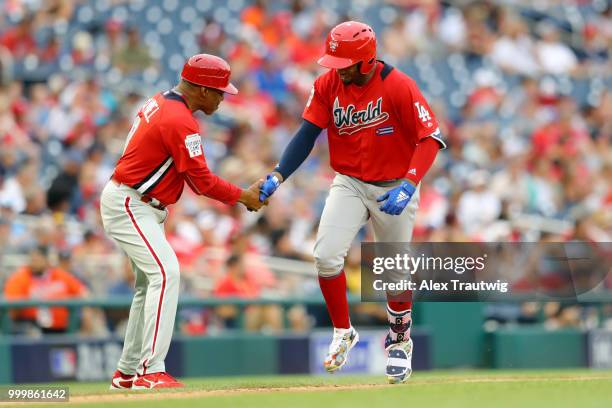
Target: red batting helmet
point(210, 71)
point(349, 43)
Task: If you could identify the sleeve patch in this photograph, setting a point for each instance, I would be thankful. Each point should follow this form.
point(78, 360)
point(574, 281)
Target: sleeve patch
point(437, 135)
point(193, 143)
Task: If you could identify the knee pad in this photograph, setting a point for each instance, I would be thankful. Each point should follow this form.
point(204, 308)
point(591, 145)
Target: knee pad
point(327, 265)
point(329, 254)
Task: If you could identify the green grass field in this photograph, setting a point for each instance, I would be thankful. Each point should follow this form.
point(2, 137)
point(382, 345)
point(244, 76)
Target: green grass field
point(474, 389)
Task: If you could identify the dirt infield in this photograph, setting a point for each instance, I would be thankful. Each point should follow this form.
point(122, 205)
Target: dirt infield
point(114, 396)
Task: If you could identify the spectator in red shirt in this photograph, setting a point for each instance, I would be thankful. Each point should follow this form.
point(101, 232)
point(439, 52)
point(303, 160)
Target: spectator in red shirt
point(236, 284)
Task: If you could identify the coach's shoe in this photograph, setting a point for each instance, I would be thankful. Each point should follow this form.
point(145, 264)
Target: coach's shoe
point(399, 360)
point(344, 340)
point(122, 381)
point(156, 380)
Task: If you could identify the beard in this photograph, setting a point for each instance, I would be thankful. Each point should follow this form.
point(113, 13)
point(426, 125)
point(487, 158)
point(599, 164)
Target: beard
point(38, 271)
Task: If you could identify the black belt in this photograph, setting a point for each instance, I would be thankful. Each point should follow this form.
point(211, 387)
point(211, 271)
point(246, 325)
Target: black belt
point(145, 198)
point(382, 183)
point(152, 201)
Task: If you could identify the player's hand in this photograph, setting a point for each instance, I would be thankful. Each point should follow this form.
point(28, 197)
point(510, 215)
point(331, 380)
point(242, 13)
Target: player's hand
point(397, 198)
point(273, 181)
point(250, 197)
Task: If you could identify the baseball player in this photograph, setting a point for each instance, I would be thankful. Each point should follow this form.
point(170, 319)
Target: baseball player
point(163, 151)
point(383, 137)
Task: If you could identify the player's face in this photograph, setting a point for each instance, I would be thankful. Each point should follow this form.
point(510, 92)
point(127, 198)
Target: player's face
point(211, 98)
point(350, 74)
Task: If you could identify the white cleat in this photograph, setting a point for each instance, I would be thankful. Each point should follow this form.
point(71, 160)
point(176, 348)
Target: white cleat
point(399, 362)
point(344, 340)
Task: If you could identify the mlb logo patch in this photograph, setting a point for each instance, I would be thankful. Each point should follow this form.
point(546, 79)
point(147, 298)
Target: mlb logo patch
point(193, 143)
point(382, 131)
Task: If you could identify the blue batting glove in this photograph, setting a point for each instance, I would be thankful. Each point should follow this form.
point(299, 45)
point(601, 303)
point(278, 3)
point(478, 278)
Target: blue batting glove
point(397, 198)
point(268, 187)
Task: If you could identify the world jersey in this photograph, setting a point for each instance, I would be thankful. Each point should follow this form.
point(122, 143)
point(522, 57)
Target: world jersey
point(373, 129)
point(164, 150)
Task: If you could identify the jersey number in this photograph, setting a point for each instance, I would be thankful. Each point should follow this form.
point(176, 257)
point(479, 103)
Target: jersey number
point(423, 112)
point(148, 109)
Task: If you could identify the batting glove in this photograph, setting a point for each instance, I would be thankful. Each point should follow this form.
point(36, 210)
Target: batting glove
point(397, 198)
point(268, 187)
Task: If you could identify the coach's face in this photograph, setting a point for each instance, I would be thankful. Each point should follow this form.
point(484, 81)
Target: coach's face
point(210, 99)
point(349, 75)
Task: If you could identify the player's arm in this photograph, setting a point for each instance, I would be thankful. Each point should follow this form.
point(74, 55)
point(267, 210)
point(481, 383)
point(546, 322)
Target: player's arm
point(298, 149)
point(204, 182)
point(427, 134)
point(296, 152)
point(185, 145)
point(316, 118)
point(423, 158)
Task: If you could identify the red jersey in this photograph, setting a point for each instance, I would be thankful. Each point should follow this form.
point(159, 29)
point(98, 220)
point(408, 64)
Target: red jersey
point(372, 129)
point(164, 149)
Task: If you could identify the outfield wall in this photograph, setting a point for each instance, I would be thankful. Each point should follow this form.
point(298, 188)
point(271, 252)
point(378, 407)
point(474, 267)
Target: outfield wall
point(445, 337)
point(66, 358)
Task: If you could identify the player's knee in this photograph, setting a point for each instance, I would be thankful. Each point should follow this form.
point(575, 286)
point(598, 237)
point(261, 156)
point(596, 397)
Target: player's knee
point(328, 261)
point(173, 275)
point(168, 276)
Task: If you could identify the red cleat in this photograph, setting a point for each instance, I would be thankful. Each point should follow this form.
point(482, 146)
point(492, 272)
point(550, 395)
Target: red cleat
point(122, 381)
point(156, 380)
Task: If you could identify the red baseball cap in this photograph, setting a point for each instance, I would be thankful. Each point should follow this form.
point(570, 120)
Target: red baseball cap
point(209, 71)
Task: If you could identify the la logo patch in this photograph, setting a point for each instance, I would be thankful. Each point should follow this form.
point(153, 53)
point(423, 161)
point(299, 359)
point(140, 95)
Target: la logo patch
point(333, 45)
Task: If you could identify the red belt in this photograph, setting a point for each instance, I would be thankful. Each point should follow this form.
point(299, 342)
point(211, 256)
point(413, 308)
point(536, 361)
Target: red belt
point(152, 201)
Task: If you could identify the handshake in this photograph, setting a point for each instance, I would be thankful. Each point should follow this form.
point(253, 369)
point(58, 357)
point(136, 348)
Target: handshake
point(392, 202)
point(258, 194)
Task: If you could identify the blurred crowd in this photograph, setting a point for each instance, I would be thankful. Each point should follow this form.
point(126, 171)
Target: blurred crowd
point(523, 95)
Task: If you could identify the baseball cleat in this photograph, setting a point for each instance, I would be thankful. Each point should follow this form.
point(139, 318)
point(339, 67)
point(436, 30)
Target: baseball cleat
point(399, 362)
point(122, 381)
point(344, 340)
point(156, 380)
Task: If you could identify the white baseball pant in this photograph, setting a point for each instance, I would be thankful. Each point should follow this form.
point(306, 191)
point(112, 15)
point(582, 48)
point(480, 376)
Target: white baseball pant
point(351, 202)
point(138, 228)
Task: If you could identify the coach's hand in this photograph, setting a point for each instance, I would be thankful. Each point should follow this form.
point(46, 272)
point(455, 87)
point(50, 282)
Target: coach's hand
point(269, 186)
point(397, 198)
point(250, 197)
